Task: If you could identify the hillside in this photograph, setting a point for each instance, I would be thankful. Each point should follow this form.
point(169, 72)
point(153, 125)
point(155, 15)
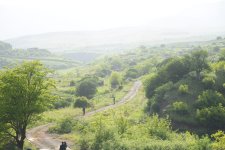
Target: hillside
point(11, 57)
point(190, 89)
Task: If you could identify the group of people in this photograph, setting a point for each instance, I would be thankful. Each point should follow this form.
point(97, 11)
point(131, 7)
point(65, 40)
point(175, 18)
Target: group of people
point(63, 146)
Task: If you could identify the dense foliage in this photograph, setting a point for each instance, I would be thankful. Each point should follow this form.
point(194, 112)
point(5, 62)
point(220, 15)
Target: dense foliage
point(87, 87)
point(24, 93)
point(190, 86)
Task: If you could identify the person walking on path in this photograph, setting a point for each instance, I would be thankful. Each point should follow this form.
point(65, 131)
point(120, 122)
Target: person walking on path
point(63, 146)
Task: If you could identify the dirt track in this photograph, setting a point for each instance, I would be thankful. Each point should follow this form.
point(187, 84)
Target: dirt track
point(39, 137)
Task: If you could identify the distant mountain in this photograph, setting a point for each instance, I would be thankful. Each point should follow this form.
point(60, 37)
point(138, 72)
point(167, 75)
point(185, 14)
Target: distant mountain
point(102, 41)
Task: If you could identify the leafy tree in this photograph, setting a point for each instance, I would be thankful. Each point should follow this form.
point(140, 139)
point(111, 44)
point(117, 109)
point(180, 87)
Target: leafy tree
point(115, 79)
point(87, 88)
point(81, 102)
point(24, 93)
point(199, 62)
point(175, 69)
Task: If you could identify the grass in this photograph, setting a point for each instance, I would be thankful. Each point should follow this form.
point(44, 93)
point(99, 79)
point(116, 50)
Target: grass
point(132, 109)
point(99, 101)
point(132, 119)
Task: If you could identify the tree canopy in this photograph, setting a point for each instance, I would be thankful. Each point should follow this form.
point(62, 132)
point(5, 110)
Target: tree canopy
point(87, 88)
point(115, 79)
point(82, 102)
point(25, 92)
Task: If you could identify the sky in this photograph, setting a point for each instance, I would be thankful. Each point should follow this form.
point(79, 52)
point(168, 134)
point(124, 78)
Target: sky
point(26, 17)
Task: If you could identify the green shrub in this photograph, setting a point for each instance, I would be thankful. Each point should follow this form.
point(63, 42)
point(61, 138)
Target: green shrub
point(212, 117)
point(183, 89)
point(103, 138)
point(61, 104)
point(204, 143)
point(84, 144)
point(219, 143)
point(64, 126)
point(209, 81)
point(122, 124)
point(158, 127)
point(179, 107)
point(209, 98)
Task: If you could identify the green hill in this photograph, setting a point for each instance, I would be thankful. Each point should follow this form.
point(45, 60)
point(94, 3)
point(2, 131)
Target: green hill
point(190, 89)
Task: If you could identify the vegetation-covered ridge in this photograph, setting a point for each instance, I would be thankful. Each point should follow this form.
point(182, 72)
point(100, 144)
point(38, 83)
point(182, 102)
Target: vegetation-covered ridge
point(190, 89)
point(10, 56)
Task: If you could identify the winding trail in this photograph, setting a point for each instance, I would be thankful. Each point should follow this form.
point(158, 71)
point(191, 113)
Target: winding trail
point(39, 137)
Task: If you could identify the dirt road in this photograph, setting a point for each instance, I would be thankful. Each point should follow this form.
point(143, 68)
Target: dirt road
point(39, 137)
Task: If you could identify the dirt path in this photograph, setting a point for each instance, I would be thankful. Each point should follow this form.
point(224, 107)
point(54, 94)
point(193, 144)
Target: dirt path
point(39, 137)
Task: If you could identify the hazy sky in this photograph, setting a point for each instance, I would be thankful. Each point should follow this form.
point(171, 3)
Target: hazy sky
point(24, 17)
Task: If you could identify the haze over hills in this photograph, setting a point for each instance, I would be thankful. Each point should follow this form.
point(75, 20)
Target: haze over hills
point(102, 29)
point(107, 40)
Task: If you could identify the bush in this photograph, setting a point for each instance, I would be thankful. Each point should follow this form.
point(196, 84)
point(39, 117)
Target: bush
point(180, 107)
point(159, 128)
point(208, 82)
point(64, 126)
point(219, 143)
point(61, 104)
point(210, 98)
point(84, 144)
point(103, 137)
point(82, 102)
point(87, 88)
point(122, 124)
point(183, 89)
point(212, 117)
point(115, 80)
